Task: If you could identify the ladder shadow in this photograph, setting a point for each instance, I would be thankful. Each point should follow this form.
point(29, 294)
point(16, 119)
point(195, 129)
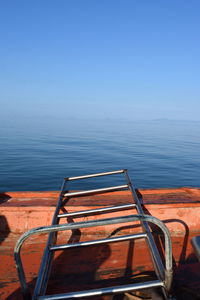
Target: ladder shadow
point(87, 261)
point(159, 238)
point(73, 274)
point(4, 228)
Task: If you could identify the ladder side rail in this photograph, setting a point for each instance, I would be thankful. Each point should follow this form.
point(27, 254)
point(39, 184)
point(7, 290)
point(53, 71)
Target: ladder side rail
point(158, 264)
point(46, 262)
point(71, 226)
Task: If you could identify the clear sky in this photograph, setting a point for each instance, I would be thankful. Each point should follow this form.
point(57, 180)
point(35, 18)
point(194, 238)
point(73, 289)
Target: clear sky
point(88, 58)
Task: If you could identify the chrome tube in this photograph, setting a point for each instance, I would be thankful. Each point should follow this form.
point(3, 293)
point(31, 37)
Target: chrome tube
point(45, 267)
point(95, 191)
point(100, 241)
point(97, 211)
point(94, 175)
point(104, 291)
point(151, 243)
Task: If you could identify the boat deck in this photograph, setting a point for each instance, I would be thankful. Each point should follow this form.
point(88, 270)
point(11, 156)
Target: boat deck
point(21, 211)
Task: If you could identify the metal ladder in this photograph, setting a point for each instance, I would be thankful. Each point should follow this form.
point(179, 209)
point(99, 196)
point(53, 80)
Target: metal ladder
point(163, 271)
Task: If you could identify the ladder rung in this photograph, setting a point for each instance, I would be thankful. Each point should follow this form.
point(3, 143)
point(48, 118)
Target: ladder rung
point(97, 211)
point(102, 190)
point(106, 290)
point(100, 241)
point(95, 175)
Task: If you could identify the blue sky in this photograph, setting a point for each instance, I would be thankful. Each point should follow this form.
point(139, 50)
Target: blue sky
point(100, 59)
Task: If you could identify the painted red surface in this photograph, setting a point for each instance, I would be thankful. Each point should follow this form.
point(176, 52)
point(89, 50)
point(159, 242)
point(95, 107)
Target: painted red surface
point(21, 211)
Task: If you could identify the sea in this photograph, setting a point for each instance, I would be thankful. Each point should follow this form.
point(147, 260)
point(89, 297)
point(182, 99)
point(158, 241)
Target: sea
point(37, 153)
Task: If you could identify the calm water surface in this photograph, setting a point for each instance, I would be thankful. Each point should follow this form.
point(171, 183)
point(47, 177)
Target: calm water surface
point(36, 154)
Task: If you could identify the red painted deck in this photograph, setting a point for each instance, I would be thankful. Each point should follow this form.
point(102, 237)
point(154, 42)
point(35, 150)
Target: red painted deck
point(21, 211)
